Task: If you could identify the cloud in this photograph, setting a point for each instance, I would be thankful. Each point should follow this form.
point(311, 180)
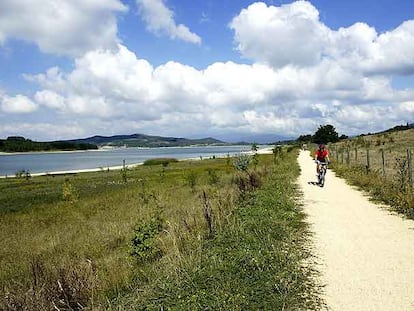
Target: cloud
point(160, 20)
point(18, 104)
point(61, 27)
point(292, 34)
point(50, 99)
point(342, 77)
point(289, 34)
point(111, 90)
point(393, 52)
point(37, 131)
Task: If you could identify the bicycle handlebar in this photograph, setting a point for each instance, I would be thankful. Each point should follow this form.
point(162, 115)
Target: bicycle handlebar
point(322, 163)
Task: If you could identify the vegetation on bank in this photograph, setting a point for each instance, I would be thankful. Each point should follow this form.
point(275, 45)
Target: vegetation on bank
point(21, 144)
point(160, 161)
point(190, 235)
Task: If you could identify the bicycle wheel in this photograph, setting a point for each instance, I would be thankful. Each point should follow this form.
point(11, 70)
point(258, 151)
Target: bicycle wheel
point(322, 178)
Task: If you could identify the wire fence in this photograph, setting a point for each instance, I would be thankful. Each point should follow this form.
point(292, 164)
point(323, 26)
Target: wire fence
point(390, 163)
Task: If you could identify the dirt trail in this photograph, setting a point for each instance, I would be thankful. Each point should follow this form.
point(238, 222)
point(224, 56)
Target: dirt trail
point(366, 255)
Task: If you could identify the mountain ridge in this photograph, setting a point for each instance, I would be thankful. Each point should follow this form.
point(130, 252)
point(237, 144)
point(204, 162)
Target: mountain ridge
point(142, 140)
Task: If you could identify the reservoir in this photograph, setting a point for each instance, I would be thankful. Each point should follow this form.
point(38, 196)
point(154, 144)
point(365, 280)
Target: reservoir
point(47, 162)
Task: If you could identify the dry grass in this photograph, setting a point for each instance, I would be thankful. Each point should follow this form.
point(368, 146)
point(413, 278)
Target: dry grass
point(64, 222)
point(393, 145)
point(387, 176)
point(67, 241)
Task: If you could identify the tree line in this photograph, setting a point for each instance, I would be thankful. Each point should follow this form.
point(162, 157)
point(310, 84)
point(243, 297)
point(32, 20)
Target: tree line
point(21, 144)
point(325, 134)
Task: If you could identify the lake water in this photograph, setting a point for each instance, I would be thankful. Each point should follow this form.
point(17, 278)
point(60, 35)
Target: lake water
point(68, 161)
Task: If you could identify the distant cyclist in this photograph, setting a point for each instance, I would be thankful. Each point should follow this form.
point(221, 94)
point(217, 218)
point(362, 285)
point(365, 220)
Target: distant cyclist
point(321, 156)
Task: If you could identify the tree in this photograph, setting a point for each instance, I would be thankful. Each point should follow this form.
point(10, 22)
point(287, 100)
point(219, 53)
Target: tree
point(325, 134)
point(255, 147)
point(304, 138)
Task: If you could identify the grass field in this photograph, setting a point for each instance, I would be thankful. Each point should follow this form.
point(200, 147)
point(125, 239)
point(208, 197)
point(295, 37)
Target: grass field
point(381, 165)
point(186, 236)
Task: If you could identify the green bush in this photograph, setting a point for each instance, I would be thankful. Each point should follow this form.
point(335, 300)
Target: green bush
point(69, 192)
point(143, 244)
point(242, 161)
point(191, 179)
point(213, 178)
point(160, 161)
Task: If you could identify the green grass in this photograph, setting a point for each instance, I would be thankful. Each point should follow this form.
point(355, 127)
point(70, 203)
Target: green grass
point(256, 261)
point(67, 240)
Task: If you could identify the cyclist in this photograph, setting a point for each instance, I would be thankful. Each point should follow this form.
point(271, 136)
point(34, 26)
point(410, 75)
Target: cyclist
point(321, 156)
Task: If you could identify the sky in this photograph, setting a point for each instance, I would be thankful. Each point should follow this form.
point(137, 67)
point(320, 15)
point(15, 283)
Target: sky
point(230, 69)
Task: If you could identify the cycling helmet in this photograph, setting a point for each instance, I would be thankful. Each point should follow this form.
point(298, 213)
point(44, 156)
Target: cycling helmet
point(321, 146)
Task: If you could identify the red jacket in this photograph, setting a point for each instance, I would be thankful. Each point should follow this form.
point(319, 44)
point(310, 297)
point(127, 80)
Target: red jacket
point(321, 155)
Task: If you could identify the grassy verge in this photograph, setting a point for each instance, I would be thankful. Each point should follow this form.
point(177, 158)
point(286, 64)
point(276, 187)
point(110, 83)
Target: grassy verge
point(395, 192)
point(256, 260)
point(190, 235)
point(381, 165)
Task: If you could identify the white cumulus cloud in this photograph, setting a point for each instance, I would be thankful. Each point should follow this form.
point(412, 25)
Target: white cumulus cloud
point(64, 27)
point(303, 74)
point(50, 99)
point(17, 104)
point(292, 34)
point(160, 20)
point(289, 34)
point(120, 89)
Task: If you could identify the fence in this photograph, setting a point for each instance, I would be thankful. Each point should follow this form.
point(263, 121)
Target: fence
point(390, 163)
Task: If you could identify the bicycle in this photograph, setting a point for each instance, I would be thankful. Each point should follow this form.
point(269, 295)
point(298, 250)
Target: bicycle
point(322, 173)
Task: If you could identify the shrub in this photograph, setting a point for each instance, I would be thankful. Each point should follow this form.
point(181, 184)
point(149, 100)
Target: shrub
point(160, 161)
point(23, 174)
point(143, 245)
point(213, 178)
point(124, 176)
point(53, 288)
point(191, 179)
point(254, 180)
point(69, 192)
point(242, 161)
point(247, 182)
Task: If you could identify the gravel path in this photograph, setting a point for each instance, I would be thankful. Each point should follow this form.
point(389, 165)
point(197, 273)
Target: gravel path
point(366, 255)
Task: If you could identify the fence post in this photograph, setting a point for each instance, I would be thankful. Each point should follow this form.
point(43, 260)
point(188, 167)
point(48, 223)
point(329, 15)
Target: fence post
point(410, 172)
point(368, 164)
point(342, 156)
point(356, 155)
point(347, 156)
point(383, 162)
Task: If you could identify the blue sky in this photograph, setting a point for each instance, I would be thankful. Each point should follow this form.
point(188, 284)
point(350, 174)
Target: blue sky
point(197, 68)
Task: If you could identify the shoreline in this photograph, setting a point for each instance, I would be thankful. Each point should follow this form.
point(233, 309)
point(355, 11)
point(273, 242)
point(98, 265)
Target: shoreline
point(118, 167)
point(2, 153)
point(86, 170)
point(105, 148)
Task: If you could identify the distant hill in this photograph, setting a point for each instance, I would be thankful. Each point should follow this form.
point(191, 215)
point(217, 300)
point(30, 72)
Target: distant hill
point(396, 128)
point(141, 140)
point(399, 128)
